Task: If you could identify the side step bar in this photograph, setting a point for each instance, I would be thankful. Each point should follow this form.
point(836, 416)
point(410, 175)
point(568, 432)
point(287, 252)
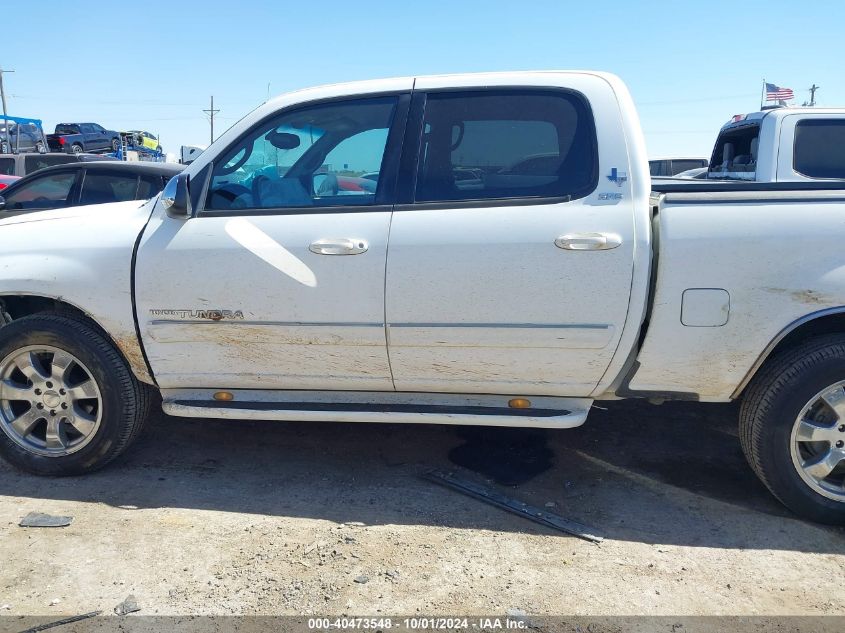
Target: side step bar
point(545, 412)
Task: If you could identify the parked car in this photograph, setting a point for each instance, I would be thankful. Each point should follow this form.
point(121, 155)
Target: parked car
point(77, 184)
point(21, 137)
point(83, 137)
point(699, 173)
point(5, 181)
point(518, 301)
point(25, 164)
point(674, 166)
point(782, 145)
point(144, 139)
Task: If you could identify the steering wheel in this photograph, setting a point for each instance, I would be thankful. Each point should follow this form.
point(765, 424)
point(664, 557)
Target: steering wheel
point(229, 169)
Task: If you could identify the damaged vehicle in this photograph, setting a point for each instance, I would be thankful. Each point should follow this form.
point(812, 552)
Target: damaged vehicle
point(260, 285)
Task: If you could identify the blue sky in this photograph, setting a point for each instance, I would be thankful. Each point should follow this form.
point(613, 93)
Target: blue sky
point(153, 65)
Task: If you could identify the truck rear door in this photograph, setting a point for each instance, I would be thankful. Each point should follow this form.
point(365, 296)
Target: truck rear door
point(510, 263)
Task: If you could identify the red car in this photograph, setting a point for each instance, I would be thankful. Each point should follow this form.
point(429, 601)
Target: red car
point(5, 181)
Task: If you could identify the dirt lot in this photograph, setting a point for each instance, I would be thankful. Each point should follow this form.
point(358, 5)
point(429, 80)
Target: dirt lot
point(207, 517)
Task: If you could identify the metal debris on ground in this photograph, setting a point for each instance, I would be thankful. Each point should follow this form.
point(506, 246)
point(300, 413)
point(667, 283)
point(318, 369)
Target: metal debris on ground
point(130, 605)
point(39, 519)
point(519, 508)
point(62, 622)
point(361, 580)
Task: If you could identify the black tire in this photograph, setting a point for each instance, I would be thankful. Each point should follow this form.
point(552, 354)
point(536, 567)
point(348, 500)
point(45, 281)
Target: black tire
point(76, 148)
point(4, 148)
point(125, 401)
point(770, 407)
point(40, 147)
point(115, 144)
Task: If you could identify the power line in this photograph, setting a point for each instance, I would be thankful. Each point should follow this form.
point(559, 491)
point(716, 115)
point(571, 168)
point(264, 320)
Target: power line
point(211, 112)
point(812, 101)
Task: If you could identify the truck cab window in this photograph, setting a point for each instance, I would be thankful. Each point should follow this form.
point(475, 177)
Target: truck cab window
point(315, 156)
point(735, 153)
point(819, 147)
point(489, 145)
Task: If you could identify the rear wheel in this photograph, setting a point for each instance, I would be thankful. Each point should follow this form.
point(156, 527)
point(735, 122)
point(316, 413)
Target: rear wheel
point(792, 427)
point(69, 403)
point(40, 147)
point(4, 148)
point(76, 148)
point(115, 144)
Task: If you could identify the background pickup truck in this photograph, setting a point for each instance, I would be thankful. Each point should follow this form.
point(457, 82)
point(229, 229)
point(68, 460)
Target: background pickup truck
point(83, 137)
point(258, 286)
point(782, 145)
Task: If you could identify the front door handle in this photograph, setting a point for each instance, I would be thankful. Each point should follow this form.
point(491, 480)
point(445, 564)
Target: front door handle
point(588, 241)
point(339, 246)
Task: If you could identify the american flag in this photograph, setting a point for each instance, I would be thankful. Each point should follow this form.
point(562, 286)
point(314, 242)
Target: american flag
point(776, 93)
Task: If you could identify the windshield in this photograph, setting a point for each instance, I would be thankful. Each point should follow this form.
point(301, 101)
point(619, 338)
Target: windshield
point(735, 153)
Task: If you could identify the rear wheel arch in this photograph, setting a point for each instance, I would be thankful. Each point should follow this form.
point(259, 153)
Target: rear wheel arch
point(827, 321)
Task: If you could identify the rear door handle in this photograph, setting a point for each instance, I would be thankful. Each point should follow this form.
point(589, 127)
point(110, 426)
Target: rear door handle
point(588, 241)
point(339, 246)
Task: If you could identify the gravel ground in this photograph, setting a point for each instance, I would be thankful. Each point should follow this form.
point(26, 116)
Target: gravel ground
point(211, 517)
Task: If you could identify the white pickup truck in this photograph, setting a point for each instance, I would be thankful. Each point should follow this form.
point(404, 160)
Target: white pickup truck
point(467, 249)
point(781, 145)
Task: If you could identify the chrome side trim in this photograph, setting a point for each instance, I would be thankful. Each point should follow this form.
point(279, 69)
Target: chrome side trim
point(579, 326)
point(777, 339)
point(267, 323)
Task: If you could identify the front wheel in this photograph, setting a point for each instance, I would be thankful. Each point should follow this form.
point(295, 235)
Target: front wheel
point(69, 403)
point(792, 428)
point(4, 148)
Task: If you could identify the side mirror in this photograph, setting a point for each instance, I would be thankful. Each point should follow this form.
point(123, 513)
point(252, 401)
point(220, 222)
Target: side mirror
point(175, 197)
point(2, 203)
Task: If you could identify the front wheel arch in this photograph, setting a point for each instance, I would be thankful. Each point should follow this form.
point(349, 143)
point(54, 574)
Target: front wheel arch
point(17, 306)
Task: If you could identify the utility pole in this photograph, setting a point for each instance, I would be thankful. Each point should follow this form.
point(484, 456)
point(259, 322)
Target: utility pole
point(813, 89)
point(3, 98)
point(211, 112)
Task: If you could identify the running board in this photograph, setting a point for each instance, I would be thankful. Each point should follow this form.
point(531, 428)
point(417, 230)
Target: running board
point(483, 410)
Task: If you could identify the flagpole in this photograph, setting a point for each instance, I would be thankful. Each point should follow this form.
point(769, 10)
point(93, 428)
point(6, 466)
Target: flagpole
point(762, 93)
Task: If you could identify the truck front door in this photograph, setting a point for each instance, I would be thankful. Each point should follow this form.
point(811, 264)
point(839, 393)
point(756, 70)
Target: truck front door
point(277, 282)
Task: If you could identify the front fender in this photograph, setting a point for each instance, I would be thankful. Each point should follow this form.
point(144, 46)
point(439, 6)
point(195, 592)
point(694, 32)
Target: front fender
point(82, 257)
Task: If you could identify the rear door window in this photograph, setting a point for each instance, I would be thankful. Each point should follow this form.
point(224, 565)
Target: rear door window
point(7, 166)
point(820, 148)
point(659, 167)
point(149, 186)
point(488, 145)
point(103, 187)
point(49, 191)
